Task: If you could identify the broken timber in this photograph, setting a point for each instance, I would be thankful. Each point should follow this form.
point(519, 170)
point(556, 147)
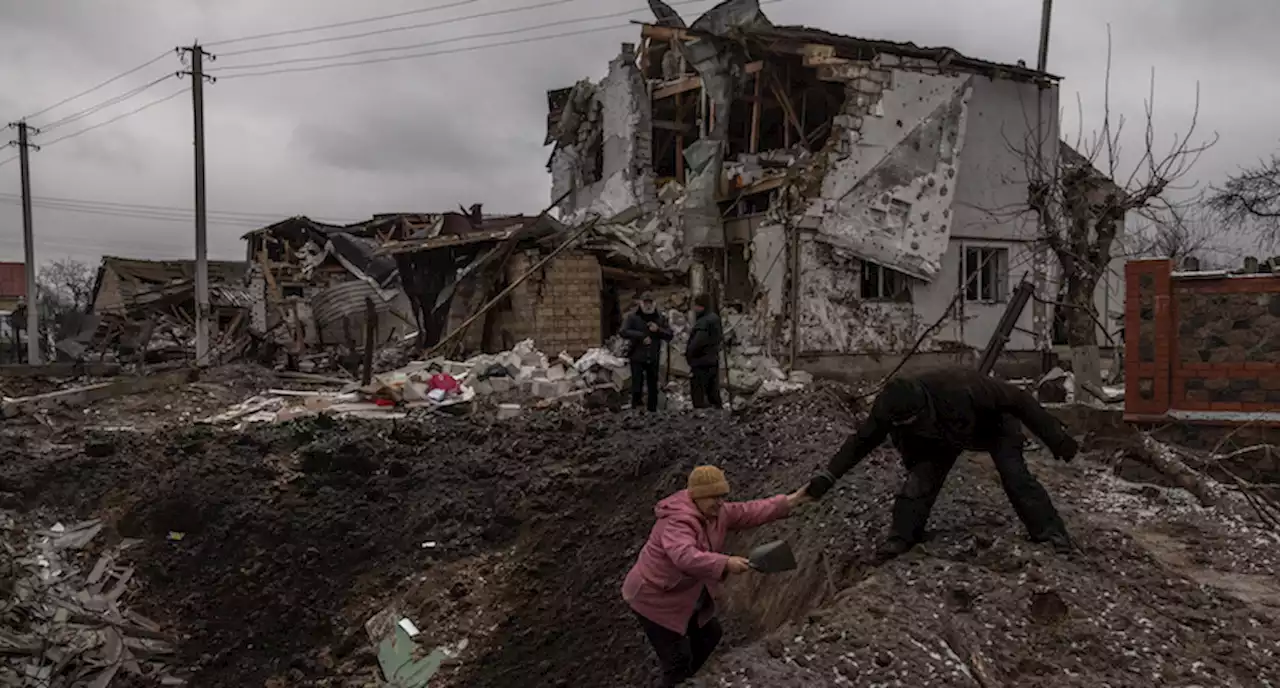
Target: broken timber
point(83, 396)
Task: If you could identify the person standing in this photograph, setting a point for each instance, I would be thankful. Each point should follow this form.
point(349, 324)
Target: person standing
point(933, 417)
point(703, 354)
point(675, 582)
point(646, 329)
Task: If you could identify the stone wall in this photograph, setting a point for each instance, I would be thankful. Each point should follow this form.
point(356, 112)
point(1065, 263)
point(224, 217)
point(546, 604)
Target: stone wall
point(1201, 346)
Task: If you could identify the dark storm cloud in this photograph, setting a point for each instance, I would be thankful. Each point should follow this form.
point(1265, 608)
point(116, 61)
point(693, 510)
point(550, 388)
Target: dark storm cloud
point(468, 127)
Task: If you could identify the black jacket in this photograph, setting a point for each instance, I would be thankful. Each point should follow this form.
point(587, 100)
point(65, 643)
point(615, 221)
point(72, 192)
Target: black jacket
point(703, 350)
point(635, 329)
point(967, 411)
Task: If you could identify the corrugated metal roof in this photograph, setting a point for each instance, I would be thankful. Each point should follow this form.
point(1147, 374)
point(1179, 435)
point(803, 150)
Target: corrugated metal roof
point(345, 299)
point(13, 279)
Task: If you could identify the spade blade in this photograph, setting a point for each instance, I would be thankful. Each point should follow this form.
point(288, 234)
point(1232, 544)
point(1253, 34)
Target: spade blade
point(773, 557)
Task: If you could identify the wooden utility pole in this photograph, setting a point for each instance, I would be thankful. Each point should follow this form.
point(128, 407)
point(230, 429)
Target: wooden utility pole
point(1040, 312)
point(28, 240)
point(198, 78)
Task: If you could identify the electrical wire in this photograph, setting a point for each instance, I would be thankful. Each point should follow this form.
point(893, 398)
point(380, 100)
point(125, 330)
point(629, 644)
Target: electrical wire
point(134, 215)
point(396, 29)
point(112, 205)
point(396, 58)
point(336, 25)
point(413, 56)
point(442, 41)
point(108, 82)
point(76, 116)
point(117, 118)
point(6, 161)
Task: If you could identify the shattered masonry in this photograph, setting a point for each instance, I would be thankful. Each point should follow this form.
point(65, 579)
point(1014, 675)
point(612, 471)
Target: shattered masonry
point(885, 158)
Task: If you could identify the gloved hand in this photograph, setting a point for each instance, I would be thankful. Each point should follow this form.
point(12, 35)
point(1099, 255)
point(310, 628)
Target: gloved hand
point(820, 484)
point(1067, 450)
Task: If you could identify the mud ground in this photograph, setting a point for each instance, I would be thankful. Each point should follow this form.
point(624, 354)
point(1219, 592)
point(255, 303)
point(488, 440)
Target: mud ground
point(515, 536)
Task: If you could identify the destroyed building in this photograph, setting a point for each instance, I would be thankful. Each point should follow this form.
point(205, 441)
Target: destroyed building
point(309, 282)
point(848, 194)
point(492, 282)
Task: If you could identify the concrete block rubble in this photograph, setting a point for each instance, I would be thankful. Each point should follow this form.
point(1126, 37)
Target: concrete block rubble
point(511, 380)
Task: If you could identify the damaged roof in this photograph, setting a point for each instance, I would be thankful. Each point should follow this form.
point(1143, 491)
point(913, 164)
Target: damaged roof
point(856, 48)
point(144, 272)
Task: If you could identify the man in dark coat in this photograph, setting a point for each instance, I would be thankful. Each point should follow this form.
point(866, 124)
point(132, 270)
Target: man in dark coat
point(931, 418)
point(646, 329)
point(703, 354)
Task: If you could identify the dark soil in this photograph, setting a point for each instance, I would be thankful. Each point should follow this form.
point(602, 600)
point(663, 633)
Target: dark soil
point(515, 537)
point(292, 535)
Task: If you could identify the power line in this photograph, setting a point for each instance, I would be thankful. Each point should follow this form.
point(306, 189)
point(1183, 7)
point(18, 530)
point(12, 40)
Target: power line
point(454, 39)
point(76, 116)
point(409, 27)
point(133, 214)
point(108, 82)
point(335, 25)
point(270, 216)
point(117, 118)
point(6, 161)
point(413, 56)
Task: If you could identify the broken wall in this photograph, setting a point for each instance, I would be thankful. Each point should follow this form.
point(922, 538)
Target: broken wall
point(834, 318)
point(558, 307)
point(618, 116)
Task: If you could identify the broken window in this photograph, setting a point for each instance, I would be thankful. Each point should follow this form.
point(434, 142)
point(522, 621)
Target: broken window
point(786, 105)
point(986, 274)
point(884, 284)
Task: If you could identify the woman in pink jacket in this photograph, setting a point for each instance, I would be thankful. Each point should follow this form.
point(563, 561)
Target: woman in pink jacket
point(675, 582)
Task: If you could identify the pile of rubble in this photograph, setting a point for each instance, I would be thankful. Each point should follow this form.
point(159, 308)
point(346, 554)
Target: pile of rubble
point(508, 380)
point(64, 626)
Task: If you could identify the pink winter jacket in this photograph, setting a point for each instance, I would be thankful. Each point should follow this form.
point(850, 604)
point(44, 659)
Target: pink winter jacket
point(683, 554)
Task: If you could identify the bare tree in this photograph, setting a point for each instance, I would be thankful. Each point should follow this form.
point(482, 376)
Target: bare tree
point(1083, 198)
point(1183, 237)
point(65, 286)
point(1252, 197)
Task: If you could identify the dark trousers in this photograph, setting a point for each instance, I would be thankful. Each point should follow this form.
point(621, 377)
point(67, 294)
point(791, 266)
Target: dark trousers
point(925, 479)
point(644, 378)
point(681, 656)
point(704, 386)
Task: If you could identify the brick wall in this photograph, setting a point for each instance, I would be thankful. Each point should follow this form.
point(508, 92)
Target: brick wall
point(558, 307)
point(1200, 341)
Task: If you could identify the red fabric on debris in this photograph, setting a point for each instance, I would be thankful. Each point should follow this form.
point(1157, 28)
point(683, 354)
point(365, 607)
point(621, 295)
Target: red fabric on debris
point(444, 381)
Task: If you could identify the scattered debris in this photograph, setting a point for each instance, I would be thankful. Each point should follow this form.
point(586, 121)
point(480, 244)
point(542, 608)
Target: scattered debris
point(65, 627)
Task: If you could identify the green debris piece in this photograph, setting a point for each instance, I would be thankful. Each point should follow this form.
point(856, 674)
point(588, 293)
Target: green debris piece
point(400, 666)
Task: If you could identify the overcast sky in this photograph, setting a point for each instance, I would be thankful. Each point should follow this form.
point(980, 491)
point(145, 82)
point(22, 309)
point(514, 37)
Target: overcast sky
point(433, 133)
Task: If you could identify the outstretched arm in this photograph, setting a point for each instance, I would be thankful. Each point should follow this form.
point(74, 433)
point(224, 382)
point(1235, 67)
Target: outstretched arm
point(872, 433)
point(1007, 398)
point(744, 515)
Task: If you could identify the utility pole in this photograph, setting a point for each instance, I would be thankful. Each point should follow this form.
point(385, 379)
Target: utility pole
point(28, 240)
point(202, 226)
point(1040, 312)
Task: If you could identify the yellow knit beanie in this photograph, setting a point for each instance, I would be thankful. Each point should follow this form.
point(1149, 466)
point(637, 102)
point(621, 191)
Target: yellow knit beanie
point(707, 481)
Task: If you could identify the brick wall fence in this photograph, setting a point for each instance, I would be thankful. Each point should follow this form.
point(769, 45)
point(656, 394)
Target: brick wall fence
point(1205, 343)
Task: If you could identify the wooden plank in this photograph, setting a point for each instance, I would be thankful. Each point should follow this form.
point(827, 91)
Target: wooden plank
point(669, 125)
point(755, 118)
point(693, 83)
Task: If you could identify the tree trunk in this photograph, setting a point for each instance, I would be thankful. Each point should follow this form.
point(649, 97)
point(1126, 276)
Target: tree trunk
point(1082, 330)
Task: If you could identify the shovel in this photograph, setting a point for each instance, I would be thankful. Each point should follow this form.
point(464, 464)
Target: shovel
point(773, 557)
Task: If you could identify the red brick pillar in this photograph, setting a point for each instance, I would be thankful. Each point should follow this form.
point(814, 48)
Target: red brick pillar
point(1148, 337)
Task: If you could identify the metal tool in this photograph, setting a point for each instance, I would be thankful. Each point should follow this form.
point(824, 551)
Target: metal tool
point(773, 557)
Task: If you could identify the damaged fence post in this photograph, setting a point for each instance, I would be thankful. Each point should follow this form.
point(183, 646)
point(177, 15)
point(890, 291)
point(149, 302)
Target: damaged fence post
point(370, 334)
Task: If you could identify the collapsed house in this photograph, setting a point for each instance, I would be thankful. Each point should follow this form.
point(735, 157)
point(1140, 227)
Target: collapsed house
point(311, 284)
point(850, 195)
point(482, 285)
point(148, 307)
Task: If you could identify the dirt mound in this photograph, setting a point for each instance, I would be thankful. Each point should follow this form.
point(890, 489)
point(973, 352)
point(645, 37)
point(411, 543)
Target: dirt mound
point(514, 537)
point(291, 536)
